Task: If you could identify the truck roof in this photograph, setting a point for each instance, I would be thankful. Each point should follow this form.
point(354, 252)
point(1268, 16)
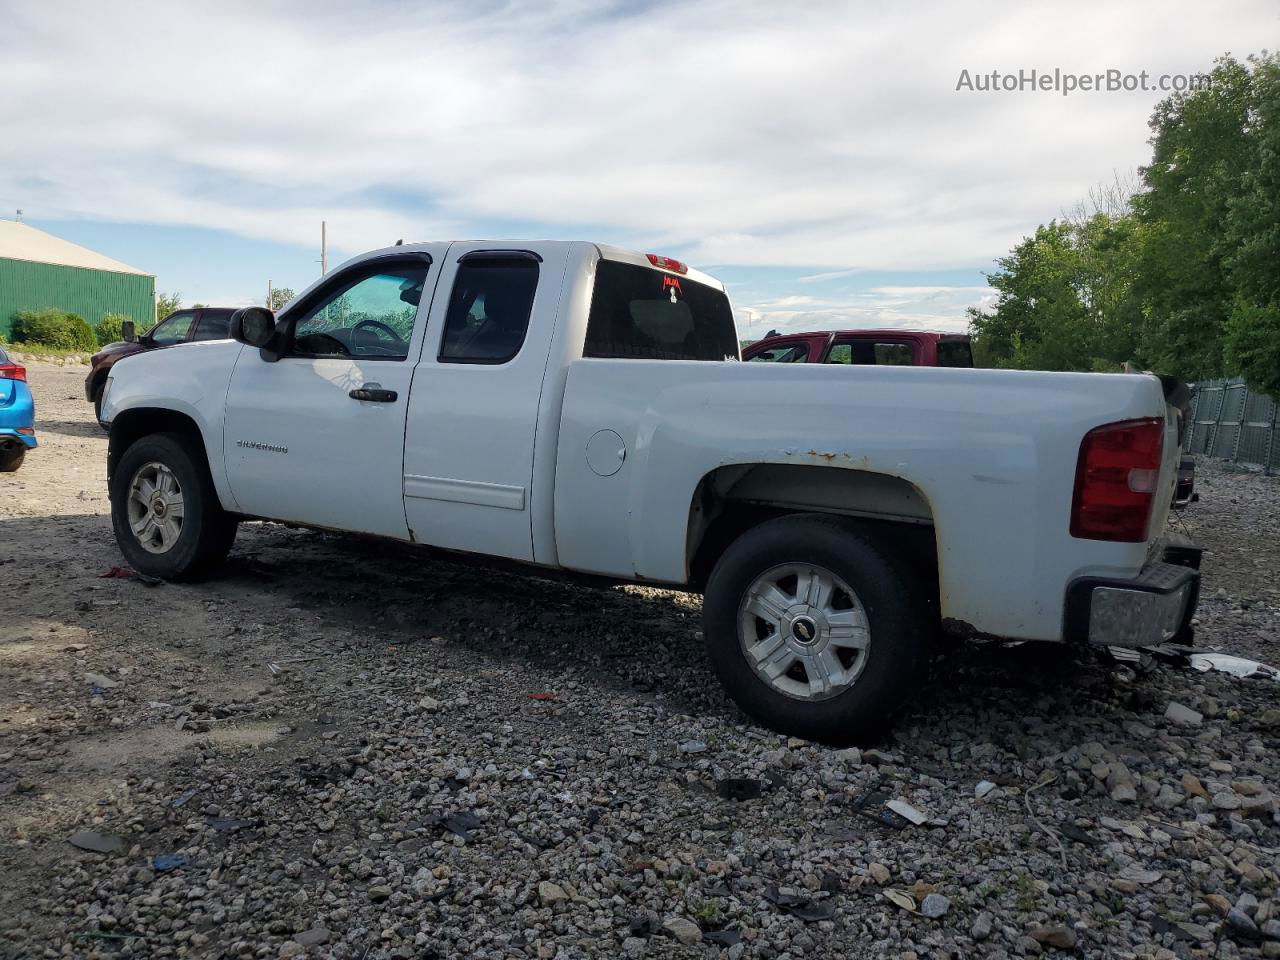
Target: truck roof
point(606, 251)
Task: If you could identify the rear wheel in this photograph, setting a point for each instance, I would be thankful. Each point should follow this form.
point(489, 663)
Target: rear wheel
point(165, 512)
point(813, 630)
point(11, 460)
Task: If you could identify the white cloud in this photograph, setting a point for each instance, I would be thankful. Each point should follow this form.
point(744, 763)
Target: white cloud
point(890, 307)
point(817, 135)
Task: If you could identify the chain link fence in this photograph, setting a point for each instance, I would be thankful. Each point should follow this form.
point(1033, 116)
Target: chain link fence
point(1231, 422)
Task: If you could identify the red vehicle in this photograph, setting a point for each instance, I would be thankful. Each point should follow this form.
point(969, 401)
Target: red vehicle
point(906, 348)
point(181, 326)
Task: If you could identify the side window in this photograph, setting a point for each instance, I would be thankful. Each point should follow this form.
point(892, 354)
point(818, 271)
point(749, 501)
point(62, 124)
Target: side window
point(870, 353)
point(213, 325)
point(895, 354)
point(368, 315)
point(489, 309)
point(840, 353)
point(783, 353)
point(173, 328)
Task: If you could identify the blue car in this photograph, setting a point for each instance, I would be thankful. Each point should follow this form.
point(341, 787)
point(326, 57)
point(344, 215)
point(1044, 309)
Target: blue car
point(17, 415)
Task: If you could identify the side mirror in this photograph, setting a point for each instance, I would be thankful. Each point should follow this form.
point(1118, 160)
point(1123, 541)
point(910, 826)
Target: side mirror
point(127, 332)
point(254, 326)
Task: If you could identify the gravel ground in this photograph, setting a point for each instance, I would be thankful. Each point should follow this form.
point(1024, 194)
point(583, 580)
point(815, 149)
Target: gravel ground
point(344, 749)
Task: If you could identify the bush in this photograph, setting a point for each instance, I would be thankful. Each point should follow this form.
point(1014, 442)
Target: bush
point(110, 328)
point(54, 328)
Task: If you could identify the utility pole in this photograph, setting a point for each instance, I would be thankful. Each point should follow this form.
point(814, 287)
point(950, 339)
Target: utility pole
point(268, 294)
point(324, 250)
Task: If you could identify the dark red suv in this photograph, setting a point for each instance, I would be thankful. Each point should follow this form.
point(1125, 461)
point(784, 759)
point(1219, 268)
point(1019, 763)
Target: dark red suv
point(181, 326)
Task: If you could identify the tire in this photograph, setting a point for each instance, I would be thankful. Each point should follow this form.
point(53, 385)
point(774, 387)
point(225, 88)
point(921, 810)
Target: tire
point(11, 460)
point(871, 596)
point(185, 550)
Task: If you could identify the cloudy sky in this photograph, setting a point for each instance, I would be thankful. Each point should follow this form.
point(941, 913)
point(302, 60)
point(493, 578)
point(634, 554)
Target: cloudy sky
point(817, 157)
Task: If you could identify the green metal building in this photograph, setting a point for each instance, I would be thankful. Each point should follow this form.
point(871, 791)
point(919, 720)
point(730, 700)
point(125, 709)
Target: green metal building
point(39, 270)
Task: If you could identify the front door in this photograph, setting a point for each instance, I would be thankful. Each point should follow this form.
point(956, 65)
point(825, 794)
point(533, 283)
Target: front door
point(317, 437)
point(468, 464)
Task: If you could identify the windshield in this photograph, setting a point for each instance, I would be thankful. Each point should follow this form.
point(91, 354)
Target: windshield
point(641, 313)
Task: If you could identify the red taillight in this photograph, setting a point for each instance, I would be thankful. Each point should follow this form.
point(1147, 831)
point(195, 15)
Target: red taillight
point(1116, 479)
point(11, 371)
point(666, 263)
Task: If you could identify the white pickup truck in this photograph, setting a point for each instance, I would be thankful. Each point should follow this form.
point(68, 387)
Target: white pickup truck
point(580, 407)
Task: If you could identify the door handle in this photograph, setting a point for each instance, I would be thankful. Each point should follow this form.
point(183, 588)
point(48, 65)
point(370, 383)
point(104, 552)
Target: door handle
point(374, 393)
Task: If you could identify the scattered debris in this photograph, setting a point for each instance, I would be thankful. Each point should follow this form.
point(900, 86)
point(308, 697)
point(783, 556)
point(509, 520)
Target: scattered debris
point(128, 573)
point(692, 746)
point(723, 938)
point(164, 862)
point(541, 696)
point(983, 788)
point(1077, 835)
point(1177, 713)
point(96, 842)
point(100, 682)
point(873, 805)
point(1236, 666)
point(740, 789)
point(460, 823)
point(799, 906)
point(900, 899)
point(907, 811)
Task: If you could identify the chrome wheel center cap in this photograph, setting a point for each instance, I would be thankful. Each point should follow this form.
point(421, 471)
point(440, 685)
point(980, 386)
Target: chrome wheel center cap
point(158, 507)
point(804, 631)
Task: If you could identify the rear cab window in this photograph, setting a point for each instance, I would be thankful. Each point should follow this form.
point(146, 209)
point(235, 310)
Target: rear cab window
point(643, 313)
point(954, 353)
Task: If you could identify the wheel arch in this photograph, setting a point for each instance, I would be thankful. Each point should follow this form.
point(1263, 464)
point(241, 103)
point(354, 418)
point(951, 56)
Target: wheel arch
point(730, 500)
point(130, 425)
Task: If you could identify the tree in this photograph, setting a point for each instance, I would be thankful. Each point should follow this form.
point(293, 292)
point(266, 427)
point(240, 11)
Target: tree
point(1201, 150)
point(1252, 343)
point(279, 297)
point(1066, 299)
point(167, 303)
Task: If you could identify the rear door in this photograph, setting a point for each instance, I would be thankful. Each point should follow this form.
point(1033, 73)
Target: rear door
point(317, 437)
point(473, 410)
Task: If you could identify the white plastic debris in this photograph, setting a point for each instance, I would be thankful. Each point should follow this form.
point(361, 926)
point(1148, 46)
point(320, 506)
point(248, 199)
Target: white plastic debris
point(1178, 713)
point(1236, 666)
point(983, 788)
point(906, 811)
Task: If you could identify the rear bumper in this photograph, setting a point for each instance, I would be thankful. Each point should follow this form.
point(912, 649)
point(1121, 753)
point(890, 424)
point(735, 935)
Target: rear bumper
point(1154, 607)
point(10, 437)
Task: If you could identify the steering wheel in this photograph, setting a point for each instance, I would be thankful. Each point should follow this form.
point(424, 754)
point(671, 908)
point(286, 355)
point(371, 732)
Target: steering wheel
point(381, 326)
point(341, 347)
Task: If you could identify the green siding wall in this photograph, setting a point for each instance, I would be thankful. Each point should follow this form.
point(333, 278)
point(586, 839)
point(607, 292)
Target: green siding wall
point(91, 293)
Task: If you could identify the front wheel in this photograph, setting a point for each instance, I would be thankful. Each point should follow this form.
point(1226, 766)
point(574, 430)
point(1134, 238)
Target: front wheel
point(165, 512)
point(814, 631)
